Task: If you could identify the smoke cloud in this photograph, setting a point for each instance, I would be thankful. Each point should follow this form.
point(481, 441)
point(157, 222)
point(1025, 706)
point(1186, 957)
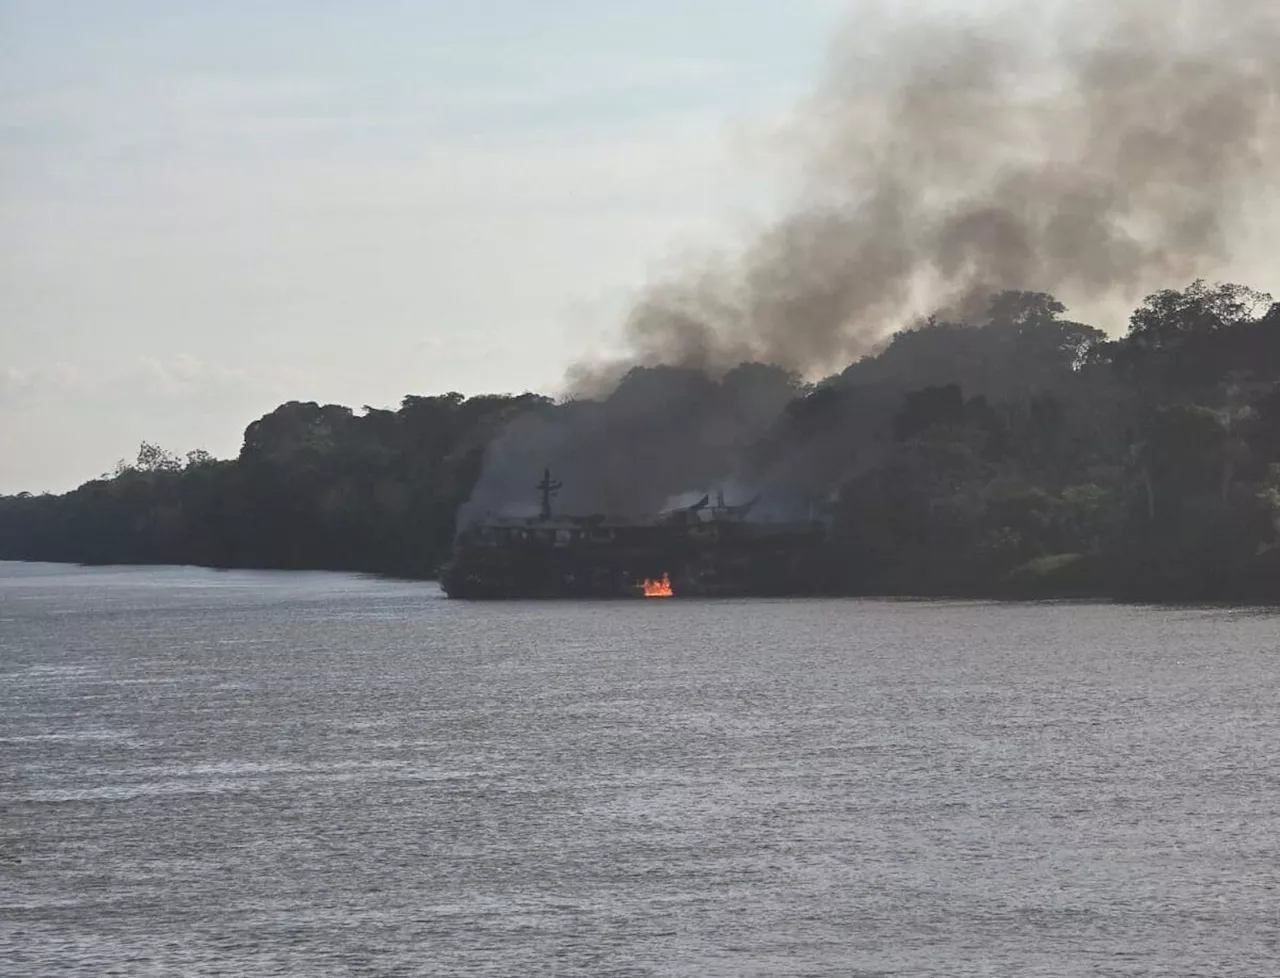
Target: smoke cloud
point(1096, 150)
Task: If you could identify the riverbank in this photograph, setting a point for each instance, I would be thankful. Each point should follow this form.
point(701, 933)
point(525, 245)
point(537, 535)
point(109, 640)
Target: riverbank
point(1060, 577)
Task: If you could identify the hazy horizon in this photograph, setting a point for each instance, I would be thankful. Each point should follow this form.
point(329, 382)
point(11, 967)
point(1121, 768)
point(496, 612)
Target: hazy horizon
point(208, 210)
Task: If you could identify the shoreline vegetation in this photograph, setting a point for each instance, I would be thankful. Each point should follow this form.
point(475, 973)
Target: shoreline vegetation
point(1016, 455)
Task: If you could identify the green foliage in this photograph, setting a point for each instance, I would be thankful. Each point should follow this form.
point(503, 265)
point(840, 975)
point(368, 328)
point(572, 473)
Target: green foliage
point(1168, 316)
point(1068, 575)
point(314, 487)
point(1144, 467)
point(153, 458)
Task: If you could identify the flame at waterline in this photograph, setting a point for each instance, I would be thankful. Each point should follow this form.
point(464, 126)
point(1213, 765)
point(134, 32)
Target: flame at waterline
point(660, 588)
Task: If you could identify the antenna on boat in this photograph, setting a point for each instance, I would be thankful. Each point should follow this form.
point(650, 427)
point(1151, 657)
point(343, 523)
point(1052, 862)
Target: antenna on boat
point(547, 488)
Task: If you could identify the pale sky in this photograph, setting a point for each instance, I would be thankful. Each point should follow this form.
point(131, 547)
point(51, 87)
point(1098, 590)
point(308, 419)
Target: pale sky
point(209, 208)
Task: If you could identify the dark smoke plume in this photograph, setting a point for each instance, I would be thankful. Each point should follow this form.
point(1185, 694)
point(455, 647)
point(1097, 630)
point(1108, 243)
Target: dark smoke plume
point(1096, 151)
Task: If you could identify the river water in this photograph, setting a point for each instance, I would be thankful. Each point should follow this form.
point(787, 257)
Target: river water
point(250, 774)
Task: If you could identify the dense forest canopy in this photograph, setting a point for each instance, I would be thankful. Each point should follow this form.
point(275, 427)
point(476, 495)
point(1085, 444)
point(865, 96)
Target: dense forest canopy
point(1017, 453)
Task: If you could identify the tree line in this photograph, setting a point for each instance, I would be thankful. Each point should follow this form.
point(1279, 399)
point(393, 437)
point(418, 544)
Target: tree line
point(314, 487)
point(1019, 453)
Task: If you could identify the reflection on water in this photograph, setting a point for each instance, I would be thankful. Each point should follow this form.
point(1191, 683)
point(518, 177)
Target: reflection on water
point(305, 774)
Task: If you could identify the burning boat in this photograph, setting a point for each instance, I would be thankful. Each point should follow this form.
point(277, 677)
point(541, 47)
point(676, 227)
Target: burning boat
point(701, 550)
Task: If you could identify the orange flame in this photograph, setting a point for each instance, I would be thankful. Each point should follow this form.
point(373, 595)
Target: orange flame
point(660, 588)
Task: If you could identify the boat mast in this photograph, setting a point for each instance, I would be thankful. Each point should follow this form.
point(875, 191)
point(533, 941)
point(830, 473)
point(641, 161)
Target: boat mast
point(547, 488)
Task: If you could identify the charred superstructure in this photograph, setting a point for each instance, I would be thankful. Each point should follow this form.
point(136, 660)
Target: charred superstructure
point(703, 549)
